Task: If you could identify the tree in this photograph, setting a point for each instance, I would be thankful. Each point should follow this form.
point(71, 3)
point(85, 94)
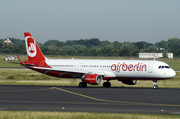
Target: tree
point(69, 42)
point(21, 49)
point(93, 52)
point(92, 41)
point(51, 42)
point(135, 52)
point(165, 54)
point(128, 45)
point(60, 44)
point(125, 52)
point(162, 44)
point(80, 42)
point(1, 44)
point(17, 41)
point(6, 50)
point(52, 47)
point(143, 45)
point(116, 44)
point(72, 52)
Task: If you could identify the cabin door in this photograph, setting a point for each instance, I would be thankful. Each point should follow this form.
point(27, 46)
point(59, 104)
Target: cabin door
point(80, 66)
point(150, 67)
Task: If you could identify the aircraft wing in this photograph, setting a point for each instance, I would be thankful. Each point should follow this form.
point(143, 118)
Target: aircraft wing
point(60, 70)
point(64, 71)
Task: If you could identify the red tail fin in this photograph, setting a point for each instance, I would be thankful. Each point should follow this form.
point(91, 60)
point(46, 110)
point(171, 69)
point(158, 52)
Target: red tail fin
point(33, 51)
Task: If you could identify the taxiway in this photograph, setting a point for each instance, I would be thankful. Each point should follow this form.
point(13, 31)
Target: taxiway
point(90, 99)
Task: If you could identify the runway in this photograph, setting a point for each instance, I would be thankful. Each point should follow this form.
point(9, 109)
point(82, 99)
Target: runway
point(90, 99)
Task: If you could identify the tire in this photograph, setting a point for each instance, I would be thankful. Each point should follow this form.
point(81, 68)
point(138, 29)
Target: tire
point(82, 84)
point(155, 87)
point(106, 84)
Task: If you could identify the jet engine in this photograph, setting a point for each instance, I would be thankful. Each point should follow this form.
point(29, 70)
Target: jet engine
point(129, 82)
point(93, 79)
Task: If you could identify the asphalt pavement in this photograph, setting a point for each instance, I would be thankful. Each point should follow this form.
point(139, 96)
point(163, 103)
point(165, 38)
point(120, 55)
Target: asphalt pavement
point(90, 99)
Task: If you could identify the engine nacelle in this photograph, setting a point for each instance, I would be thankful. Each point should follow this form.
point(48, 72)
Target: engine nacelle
point(129, 82)
point(93, 79)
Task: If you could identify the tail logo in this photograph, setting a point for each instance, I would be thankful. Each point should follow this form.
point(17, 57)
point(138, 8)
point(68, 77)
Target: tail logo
point(31, 46)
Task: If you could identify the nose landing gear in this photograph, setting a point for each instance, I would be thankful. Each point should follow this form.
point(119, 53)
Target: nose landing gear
point(155, 84)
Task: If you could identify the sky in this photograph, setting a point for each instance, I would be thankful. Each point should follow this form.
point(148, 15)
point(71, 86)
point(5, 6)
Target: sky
point(112, 20)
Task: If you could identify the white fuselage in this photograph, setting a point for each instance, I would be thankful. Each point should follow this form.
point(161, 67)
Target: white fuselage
point(116, 69)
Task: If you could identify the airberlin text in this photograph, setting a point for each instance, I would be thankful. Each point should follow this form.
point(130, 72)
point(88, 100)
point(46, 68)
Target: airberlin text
point(125, 67)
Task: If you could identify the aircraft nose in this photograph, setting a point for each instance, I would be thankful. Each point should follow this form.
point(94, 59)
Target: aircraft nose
point(172, 73)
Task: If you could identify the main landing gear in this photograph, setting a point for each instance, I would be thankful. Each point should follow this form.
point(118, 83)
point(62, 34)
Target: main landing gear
point(106, 84)
point(155, 84)
point(82, 84)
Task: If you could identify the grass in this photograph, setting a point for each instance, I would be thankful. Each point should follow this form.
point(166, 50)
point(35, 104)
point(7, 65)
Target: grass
point(79, 115)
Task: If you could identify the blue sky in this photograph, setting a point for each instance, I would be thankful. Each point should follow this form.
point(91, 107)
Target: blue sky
point(113, 20)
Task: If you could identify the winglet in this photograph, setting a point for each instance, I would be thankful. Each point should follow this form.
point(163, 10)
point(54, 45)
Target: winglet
point(22, 63)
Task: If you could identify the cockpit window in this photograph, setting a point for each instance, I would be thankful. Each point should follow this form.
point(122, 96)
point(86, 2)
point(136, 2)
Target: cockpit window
point(167, 67)
point(162, 67)
point(159, 67)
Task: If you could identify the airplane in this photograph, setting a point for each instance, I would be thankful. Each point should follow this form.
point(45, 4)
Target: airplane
point(95, 71)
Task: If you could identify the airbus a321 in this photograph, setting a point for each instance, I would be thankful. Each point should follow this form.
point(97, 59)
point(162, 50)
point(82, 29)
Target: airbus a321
point(95, 71)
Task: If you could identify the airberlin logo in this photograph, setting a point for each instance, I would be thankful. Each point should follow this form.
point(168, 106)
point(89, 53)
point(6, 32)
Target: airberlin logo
point(31, 46)
point(124, 67)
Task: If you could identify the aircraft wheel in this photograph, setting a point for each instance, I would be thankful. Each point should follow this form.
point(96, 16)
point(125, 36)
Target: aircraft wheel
point(155, 84)
point(82, 84)
point(155, 87)
point(106, 84)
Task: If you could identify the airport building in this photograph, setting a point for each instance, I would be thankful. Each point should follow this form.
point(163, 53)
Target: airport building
point(154, 55)
point(170, 55)
point(7, 43)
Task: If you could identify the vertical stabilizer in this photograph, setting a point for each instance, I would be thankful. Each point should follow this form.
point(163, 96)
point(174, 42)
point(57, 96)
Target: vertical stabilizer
point(33, 51)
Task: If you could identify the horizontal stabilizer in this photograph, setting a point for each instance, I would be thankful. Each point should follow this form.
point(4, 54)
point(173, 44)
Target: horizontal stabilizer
point(28, 64)
point(22, 63)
